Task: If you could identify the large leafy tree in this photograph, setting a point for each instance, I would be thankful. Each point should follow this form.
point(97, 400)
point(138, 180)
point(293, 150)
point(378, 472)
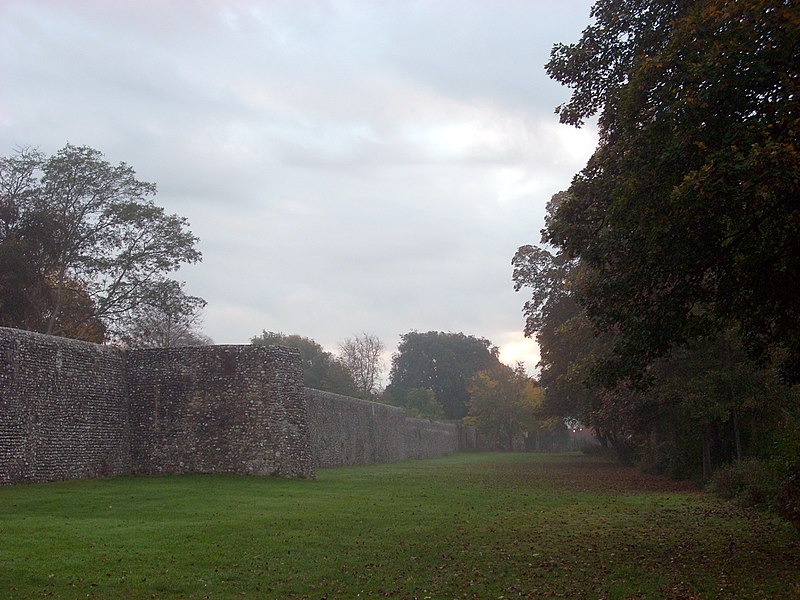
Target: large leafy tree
point(81, 242)
point(504, 403)
point(443, 363)
point(704, 404)
point(686, 217)
point(417, 402)
point(710, 404)
point(321, 370)
point(570, 347)
point(27, 245)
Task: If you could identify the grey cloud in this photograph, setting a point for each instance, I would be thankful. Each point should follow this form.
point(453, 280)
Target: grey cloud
point(348, 166)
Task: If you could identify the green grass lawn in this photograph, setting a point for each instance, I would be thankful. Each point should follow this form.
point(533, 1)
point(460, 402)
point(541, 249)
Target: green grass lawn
point(464, 526)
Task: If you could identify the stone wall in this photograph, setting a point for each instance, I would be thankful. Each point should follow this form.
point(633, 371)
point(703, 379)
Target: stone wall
point(71, 409)
point(218, 409)
point(349, 431)
point(63, 409)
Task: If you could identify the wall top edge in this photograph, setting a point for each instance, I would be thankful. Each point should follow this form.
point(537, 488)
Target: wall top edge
point(35, 336)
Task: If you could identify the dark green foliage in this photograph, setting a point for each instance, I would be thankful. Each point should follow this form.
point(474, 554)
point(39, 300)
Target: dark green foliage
point(443, 363)
point(570, 347)
point(786, 455)
point(321, 370)
point(788, 501)
point(81, 243)
point(686, 217)
point(705, 405)
point(417, 403)
point(752, 482)
point(667, 313)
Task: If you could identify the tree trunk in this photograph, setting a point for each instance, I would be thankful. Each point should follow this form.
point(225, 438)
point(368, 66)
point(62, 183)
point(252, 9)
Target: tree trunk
point(51, 323)
point(732, 399)
point(707, 431)
point(736, 436)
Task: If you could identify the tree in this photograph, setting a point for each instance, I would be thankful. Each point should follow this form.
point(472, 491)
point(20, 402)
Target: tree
point(73, 226)
point(503, 403)
point(713, 406)
point(78, 311)
point(417, 403)
point(166, 317)
point(569, 345)
point(361, 356)
point(321, 370)
point(443, 363)
point(26, 246)
point(686, 217)
point(703, 405)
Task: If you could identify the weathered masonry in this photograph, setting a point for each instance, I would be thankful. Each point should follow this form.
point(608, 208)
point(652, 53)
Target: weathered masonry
point(64, 410)
point(71, 409)
point(349, 431)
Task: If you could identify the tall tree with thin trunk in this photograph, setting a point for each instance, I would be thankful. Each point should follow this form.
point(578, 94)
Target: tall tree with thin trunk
point(362, 355)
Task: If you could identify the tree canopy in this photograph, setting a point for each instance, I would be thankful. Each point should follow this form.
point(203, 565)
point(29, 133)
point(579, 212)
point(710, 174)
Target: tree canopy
point(166, 317)
point(686, 217)
point(440, 362)
point(705, 402)
point(504, 403)
point(321, 370)
point(665, 297)
point(81, 243)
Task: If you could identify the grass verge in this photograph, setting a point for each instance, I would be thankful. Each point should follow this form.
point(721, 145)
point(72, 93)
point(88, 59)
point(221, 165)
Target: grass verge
point(464, 526)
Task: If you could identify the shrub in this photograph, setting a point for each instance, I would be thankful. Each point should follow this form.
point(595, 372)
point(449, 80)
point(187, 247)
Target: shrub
point(750, 482)
point(670, 459)
point(598, 451)
point(788, 501)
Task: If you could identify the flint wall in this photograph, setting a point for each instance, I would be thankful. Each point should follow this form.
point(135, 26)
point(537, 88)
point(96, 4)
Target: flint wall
point(63, 409)
point(349, 431)
point(71, 410)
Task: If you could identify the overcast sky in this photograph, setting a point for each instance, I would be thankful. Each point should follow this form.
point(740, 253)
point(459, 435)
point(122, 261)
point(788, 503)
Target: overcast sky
point(349, 166)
